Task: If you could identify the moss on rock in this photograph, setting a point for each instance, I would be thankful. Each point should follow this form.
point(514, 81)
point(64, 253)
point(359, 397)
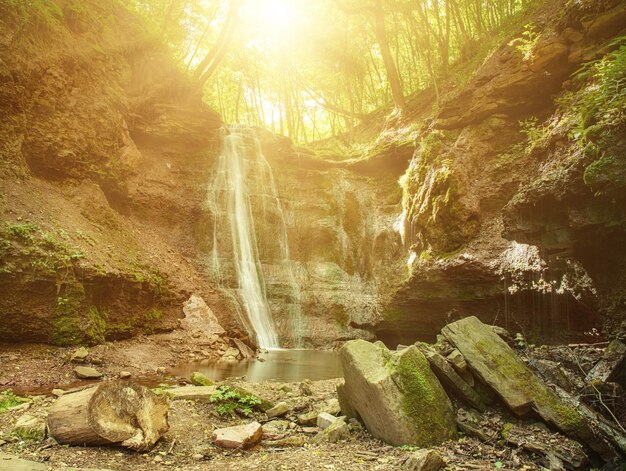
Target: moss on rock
point(396, 394)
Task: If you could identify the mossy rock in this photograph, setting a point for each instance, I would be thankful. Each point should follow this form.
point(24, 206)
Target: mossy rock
point(495, 363)
point(396, 394)
point(199, 379)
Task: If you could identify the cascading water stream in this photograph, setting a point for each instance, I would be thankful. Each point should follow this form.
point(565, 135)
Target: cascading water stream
point(242, 188)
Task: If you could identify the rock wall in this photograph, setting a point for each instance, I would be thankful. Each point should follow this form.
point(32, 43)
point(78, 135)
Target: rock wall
point(347, 255)
point(499, 220)
point(106, 153)
point(100, 136)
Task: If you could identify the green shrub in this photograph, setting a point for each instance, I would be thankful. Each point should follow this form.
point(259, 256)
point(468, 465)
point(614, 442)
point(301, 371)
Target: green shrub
point(228, 401)
point(601, 102)
point(8, 400)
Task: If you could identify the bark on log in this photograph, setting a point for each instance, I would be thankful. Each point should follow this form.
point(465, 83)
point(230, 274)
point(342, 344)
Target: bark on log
point(113, 413)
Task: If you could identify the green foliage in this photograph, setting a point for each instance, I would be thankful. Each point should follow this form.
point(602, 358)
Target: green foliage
point(47, 252)
point(228, 401)
point(526, 44)
point(311, 70)
point(150, 275)
point(8, 400)
point(602, 99)
point(153, 314)
point(22, 232)
point(32, 11)
point(67, 326)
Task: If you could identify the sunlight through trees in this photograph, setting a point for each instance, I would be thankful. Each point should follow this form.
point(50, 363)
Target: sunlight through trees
point(310, 69)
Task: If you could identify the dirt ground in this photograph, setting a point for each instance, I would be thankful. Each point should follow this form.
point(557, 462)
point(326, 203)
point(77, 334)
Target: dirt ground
point(188, 446)
point(34, 370)
point(38, 368)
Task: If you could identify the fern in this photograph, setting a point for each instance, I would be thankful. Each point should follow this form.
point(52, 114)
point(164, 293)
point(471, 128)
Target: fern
point(228, 401)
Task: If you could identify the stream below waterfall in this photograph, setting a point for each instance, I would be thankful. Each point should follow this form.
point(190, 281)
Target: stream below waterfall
point(273, 365)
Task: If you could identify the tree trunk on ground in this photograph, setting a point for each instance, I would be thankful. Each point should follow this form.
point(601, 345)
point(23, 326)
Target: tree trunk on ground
point(113, 413)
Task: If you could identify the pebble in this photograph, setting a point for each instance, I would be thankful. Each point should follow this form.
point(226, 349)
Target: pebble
point(86, 372)
point(125, 374)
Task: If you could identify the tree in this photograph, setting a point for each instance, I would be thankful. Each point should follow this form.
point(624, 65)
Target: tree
point(209, 64)
point(376, 13)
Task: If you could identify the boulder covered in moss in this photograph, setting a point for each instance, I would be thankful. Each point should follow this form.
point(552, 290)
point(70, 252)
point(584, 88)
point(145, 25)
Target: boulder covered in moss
point(498, 365)
point(396, 394)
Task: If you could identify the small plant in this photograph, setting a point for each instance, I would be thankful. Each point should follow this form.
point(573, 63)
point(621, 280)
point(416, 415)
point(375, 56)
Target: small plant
point(162, 388)
point(520, 340)
point(536, 133)
point(21, 231)
point(600, 104)
point(8, 400)
point(526, 44)
point(228, 401)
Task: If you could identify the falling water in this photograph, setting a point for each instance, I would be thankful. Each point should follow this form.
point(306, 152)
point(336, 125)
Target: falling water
point(245, 205)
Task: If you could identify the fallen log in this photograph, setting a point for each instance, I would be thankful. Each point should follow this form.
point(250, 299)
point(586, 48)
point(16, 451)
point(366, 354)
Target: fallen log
point(113, 413)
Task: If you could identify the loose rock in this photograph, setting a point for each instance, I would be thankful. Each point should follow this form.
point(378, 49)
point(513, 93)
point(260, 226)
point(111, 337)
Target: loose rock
point(29, 427)
point(87, 372)
point(80, 355)
point(14, 463)
point(337, 431)
point(423, 460)
point(192, 393)
point(499, 366)
point(239, 436)
point(199, 379)
point(396, 394)
point(310, 418)
point(275, 429)
point(278, 410)
point(457, 361)
point(451, 379)
point(325, 420)
point(294, 441)
point(612, 363)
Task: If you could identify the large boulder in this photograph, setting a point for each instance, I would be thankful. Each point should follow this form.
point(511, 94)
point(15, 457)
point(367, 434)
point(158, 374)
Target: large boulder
point(199, 318)
point(396, 394)
point(496, 364)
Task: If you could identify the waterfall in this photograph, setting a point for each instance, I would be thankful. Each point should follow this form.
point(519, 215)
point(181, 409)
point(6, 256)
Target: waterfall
point(244, 202)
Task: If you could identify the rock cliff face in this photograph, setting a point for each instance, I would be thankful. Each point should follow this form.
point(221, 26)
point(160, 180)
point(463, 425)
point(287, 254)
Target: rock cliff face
point(500, 217)
point(106, 157)
point(94, 182)
point(348, 258)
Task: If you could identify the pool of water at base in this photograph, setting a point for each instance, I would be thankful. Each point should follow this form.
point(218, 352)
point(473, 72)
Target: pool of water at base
point(273, 365)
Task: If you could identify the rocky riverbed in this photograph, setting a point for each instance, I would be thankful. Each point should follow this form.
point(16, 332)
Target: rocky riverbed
point(301, 425)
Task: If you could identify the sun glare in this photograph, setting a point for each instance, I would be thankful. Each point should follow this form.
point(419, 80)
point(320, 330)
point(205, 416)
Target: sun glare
point(278, 18)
